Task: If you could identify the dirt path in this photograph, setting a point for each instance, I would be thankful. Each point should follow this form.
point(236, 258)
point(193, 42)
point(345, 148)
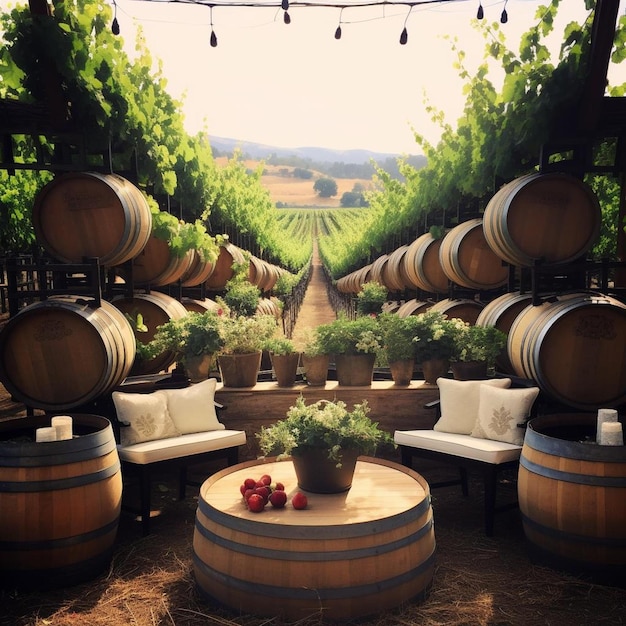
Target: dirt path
point(316, 308)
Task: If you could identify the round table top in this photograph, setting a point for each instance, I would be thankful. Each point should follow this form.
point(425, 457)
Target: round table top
point(380, 489)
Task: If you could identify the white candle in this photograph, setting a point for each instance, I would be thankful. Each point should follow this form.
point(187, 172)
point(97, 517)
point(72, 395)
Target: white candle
point(612, 434)
point(63, 425)
point(604, 415)
point(48, 433)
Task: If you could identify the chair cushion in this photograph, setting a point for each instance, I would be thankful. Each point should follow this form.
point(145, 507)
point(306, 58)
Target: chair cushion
point(192, 408)
point(465, 446)
point(459, 403)
point(181, 446)
point(146, 415)
point(501, 410)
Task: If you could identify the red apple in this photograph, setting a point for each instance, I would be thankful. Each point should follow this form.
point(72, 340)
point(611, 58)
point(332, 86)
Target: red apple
point(278, 499)
point(250, 483)
point(299, 501)
point(247, 493)
point(264, 492)
point(279, 487)
point(256, 503)
point(266, 479)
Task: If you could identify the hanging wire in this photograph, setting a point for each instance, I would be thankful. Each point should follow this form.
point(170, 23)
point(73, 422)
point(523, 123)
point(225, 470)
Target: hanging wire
point(115, 25)
point(404, 35)
point(213, 38)
point(480, 13)
point(338, 31)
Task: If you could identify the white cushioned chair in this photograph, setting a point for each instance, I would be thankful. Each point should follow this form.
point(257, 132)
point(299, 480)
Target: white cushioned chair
point(474, 408)
point(171, 429)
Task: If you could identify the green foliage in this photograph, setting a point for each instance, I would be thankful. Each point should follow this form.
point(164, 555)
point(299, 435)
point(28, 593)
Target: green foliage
point(436, 336)
point(398, 333)
point(479, 343)
point(280, 345)
point(345, 336)
point(242, 297)
point(371, 298)
point(325, 187)
point(243, 335)
point(323, 425)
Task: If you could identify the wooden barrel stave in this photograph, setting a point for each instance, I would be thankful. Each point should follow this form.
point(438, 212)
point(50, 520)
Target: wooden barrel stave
point(223, 272)
point(463, 308)
point(423, 266)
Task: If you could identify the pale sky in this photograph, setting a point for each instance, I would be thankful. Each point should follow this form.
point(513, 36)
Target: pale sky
point(296, 85)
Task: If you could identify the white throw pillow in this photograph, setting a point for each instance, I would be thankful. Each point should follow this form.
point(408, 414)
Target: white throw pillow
point(192, 409)
point(459, 403)
point(501, 410)
point(146, 415)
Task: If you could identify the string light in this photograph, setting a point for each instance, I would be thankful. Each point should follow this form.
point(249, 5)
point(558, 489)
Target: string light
point(504, 18)
point(213, 38)
point(404, 35)
point(115, 25)
point(338, 31)
point(480, 14)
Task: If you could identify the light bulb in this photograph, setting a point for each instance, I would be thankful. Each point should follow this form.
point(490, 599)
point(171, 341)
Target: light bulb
point(115, 27)
point(404, 36)
point(338, 33)
point(213, 39)
point(286, 18)
point(481, 13)
point(504, 18)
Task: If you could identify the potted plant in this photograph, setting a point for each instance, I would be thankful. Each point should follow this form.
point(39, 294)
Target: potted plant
point(324, 440)
point(477, 348)
point(194, 339)
point(241, 297)
point(355, 345)
point(239, 359)
point(371, 298)
point(285, 359)
point(315, 360)
point(398, 348)
point(435, 343)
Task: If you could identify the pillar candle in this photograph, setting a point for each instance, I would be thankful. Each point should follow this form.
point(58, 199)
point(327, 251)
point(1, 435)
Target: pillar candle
point(63, 425)
point(604, 415)
point(612, 434)
point(48, 433)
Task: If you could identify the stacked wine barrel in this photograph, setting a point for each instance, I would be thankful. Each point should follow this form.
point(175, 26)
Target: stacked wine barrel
point(571, 344)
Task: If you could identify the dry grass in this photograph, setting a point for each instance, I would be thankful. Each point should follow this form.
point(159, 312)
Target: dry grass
point(296, 192)
point(478, 581)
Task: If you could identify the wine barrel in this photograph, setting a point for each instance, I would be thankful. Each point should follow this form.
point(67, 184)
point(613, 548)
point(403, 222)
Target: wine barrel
point(572, 496)
point(198, 272)
point(423, 266)
point(553, 217)
point(463, 308)
point(86, 214)
point(59, 502)
point(501, 313)
point(377, 269)
point(467, 259)
point(394, 275)
point(357, 553)
point(223, 272)
point(64, 352)
point(156, 308)
point(413, 307)
point(199, 306)
point(158, 265)
point(262, 274)
point(270, 306)
point(573, 347)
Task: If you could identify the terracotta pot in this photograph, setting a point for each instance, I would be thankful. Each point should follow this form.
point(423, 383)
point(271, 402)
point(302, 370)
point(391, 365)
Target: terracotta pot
point(316, 369)
point(434, 369)
point(469, 370)
point(319, 474)
point(198, 367)
point(239, 370)
point(402, 371)
point(355, 370)
point(285, 368)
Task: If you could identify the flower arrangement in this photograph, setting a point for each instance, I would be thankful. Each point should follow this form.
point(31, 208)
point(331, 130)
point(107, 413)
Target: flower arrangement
point(479, 343)
point(324, 425)
point(242, 335)
point(436, 336)
point(345, 336)
point(371, 298)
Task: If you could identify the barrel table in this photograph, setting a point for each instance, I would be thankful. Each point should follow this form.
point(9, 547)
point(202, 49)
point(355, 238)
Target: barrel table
point(347, 555)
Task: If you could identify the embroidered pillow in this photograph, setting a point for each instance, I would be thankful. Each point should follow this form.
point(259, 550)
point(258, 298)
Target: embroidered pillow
point(459, 403)
point(501, 410)
point(192, 409)
point(146, 415)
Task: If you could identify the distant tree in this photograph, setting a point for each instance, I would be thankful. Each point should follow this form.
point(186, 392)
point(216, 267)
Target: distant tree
point(300, 172)
point(325, 187)
point(354, 198)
